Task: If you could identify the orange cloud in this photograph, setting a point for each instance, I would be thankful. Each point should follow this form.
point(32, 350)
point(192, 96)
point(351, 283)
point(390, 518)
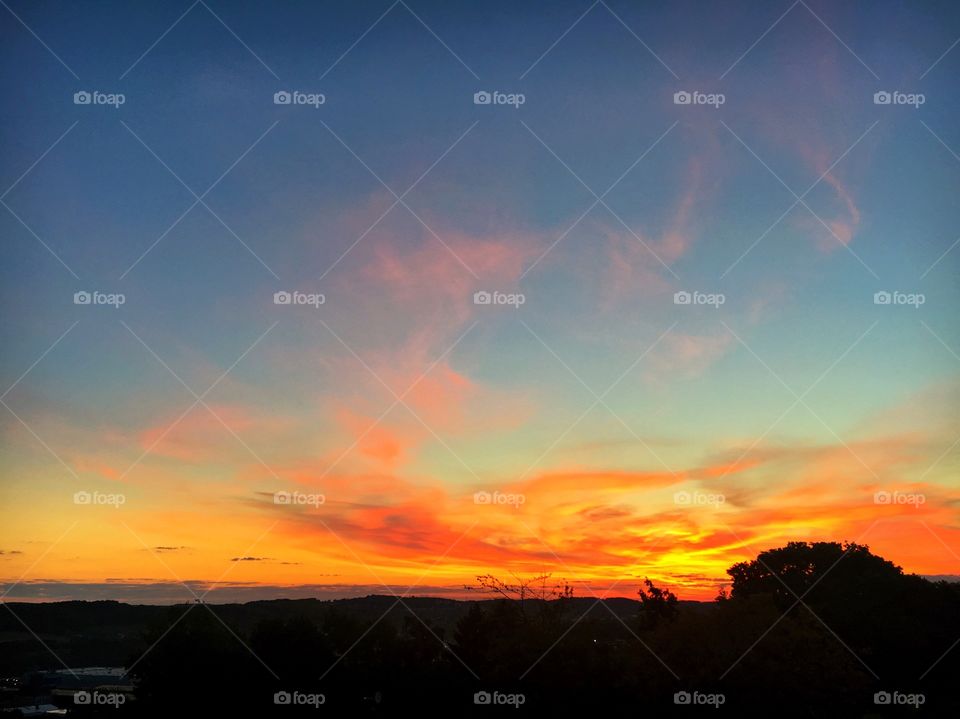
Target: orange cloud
point(200, 436)
point(374, 440)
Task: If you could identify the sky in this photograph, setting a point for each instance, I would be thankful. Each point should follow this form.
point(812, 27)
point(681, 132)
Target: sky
point(187, 433)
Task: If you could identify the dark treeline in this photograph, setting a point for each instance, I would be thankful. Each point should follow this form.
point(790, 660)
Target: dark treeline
point(860, 626)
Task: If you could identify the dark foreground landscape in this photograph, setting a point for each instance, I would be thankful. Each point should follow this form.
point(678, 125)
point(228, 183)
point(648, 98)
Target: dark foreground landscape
point(806, 630)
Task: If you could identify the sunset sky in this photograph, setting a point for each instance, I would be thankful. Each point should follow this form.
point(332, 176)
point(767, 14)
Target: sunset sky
point(598, 407)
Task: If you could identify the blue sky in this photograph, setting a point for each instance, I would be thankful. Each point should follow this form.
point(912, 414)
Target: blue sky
point(796, 199)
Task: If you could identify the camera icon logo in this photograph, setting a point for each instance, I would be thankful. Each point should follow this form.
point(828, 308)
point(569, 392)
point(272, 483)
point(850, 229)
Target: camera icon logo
point(882, 98)
point(482, 698)
point(682, 98)
point(682, 698)
point(282, 698)
point(881, 698)
point(881, 298)
point(482, 98)
point(281, 497)
point(482, 297)
point(482, 497)
point(282, 298)
point(681, 298)
point(82, 98)
point(81, 298)
point(82, 498)
point(81, 698)
point(682, 498)
point(282, 97)
point(882, 497)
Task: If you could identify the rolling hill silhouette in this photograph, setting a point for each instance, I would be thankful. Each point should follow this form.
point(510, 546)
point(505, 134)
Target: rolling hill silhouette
point(834, 628)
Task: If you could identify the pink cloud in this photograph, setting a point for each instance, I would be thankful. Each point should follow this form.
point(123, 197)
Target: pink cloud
point(682, 355)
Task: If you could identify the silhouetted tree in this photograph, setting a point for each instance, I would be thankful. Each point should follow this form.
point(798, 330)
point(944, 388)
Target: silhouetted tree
point(791, 571)
point(656, 604)
point(881, 614)
point(196, 664)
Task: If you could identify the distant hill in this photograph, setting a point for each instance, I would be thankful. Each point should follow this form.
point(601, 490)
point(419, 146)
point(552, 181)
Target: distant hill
point(93, 633)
